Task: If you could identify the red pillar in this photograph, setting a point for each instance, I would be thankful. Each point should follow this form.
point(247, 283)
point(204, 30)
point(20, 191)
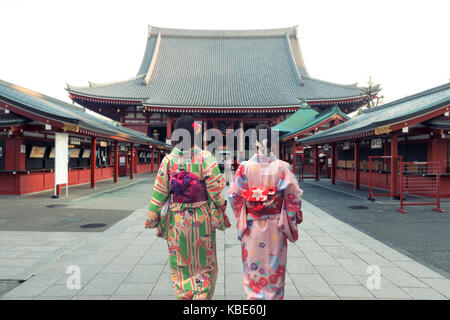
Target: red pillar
point(356, 165)
point(132, 165)
point(14, 158)
point(293, 156)
point(159, 157)
point(116, 161)
point(93, 160)
point(394, 154)
point(153, 159)
point(169, 128)
point(333, 163)
point(278, 120)
point(316, 162)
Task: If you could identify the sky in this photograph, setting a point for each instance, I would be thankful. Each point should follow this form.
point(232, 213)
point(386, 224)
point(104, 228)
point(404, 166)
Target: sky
point(403, 45)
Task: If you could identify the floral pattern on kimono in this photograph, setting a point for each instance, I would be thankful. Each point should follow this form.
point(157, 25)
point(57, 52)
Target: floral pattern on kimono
point(264, 236)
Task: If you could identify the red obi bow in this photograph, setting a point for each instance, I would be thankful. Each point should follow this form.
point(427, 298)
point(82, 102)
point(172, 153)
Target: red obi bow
point(258, 194)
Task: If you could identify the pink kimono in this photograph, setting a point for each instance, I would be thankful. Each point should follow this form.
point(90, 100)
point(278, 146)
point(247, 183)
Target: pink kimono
point(266, 200)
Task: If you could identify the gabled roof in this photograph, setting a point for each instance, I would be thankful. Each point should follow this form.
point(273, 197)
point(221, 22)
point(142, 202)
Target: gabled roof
point(219, 69)
point(396, 112)
point(318, 118)
point(302, 116)
point(51, 108)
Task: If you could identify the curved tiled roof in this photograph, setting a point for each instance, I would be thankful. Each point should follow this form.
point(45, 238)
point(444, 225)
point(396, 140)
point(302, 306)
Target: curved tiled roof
point(52, 108)
point(387, 114)
point(221, 68)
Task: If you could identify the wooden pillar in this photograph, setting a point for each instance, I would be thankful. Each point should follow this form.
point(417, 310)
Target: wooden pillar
point(293, 156)
point(159, 157)
point(93, 160)
point(394, 154)
point(278, 120)
point(205, 128)
point(356, 165)
point(153, 159)
point(116, 161)
point(316, 162)
point(169, 127)
point(333, 163)
point(132, 165)
point(14, 158)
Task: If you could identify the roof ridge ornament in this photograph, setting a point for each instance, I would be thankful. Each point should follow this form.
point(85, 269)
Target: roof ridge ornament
point(151, 66)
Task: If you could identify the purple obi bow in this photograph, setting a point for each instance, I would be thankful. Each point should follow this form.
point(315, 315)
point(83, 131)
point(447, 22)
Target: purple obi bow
point(187, 188)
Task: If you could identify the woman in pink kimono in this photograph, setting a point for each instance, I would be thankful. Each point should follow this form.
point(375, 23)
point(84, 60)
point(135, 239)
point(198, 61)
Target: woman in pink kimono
point(266, 200)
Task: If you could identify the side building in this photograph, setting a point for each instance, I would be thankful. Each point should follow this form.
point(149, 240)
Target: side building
point(99, 149)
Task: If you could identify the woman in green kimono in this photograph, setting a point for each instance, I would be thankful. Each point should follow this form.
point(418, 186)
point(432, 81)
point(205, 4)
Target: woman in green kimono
point(193, 180)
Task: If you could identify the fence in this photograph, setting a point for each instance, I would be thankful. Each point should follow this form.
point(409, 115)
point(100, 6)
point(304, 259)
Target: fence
point(384, 164)
point(421, 179)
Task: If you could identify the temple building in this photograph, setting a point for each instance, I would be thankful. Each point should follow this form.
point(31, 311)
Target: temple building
point(227, 79)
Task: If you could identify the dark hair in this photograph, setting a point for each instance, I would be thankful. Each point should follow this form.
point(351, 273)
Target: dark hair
point(185, 122)
point(263, 131)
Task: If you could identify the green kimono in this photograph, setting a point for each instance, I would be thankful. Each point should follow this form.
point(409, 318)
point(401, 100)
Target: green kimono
point(191, 227)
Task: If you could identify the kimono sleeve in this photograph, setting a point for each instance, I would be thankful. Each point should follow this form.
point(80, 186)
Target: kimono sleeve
point(160, 194)
point(292, 202)
point(237, 186)
point(214, 186)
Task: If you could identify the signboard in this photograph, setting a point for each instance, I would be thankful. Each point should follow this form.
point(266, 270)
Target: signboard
point(326, 147)
point(103, 144)
point(122, 161)
point(376, 143)
point(75, 153)
point(37, 152)
point(86, 153)
point(61, 159)
point(74, 141)
point(346, 145)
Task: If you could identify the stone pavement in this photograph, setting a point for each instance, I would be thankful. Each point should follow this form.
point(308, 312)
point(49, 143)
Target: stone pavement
point(329, 261)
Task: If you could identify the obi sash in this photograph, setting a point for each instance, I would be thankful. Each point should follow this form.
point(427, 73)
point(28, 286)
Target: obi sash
point(187, 188)
point(262, 201)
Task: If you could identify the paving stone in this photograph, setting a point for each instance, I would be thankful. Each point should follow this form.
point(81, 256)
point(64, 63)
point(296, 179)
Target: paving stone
point(387, 290)
point(417, 270)
point(424, 294)
point(336, 275)
point(312, 285)
point(326, 241)
point(354, 266)
point(439, 284)
point(401, 278)
point(299, 265)
point(339, 252)
point(135, 289)
point(320, 258)
point(352, 291)
point(34, 286)
point(103, 284)
point(96, 297)
point(118, 268)
point(233, 284)
point(145, 274)
point(375, 259)
point(163, 297)
point(128, 298)
point(59, 290)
